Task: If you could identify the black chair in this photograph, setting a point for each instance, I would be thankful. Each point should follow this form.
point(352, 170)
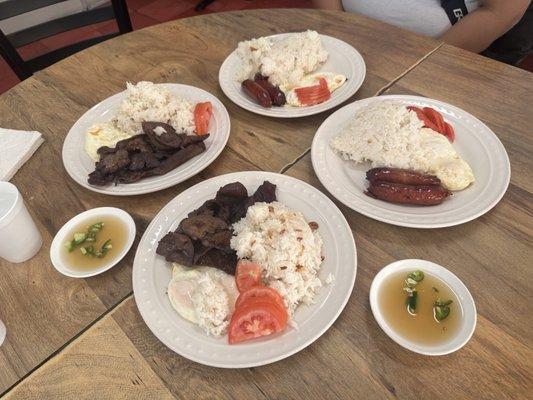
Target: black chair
point(117, 10)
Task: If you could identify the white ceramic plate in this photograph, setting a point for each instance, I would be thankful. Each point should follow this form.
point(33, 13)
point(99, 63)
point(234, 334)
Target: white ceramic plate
point(151, 275)
point(466, 301)
point(60, 238)
point(474, 142)
point(78, 164)
point(343, 59)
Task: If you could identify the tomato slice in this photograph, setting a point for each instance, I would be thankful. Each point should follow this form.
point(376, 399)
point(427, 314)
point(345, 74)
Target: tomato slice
point(255, 319)
point(260, 292)
point(435, 117)
point(449, 132)
point(248, 274)
point(202, 116)
point(315, 94)
point(423, 117)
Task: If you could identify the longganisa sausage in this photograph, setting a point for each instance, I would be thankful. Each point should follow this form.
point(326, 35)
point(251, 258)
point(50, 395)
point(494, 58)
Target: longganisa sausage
point(275, 93)
point(257, 93)
point(424, 195)
point(398, 175)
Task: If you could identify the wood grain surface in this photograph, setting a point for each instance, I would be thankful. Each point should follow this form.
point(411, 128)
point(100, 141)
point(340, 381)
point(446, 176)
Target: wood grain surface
point(71, 338)
point(35, 300)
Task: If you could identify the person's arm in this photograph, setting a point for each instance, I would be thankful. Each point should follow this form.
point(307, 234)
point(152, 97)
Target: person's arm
point(328, 4)
point(479, 29)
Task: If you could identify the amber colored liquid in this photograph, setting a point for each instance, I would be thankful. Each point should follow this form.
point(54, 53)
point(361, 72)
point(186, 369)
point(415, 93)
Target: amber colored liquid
point(113, 229)
point(421, 328)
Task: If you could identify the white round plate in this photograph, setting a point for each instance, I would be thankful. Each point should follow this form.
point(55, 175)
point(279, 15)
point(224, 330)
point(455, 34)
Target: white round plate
point(151, 275)
point(78, 164)
point(343, 59)
point(466, 302)
point(474, 141)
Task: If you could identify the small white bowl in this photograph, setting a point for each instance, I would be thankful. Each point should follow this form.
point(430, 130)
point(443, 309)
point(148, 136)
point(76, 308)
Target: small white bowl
point(468, 323)
point(60, 238)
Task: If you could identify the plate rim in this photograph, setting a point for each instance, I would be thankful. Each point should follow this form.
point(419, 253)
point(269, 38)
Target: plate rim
point(268, 360)
point(172, 182)
point(392, 221)
point(306, 111)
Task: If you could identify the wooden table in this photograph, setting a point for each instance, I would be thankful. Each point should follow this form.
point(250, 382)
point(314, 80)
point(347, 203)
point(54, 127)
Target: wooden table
point(70, 338)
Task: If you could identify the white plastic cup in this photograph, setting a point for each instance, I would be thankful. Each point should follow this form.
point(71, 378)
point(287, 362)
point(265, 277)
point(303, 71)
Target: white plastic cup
point(20, 239)
point(2, 332)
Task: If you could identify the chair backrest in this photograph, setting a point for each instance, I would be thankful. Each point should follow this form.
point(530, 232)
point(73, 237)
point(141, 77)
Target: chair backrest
point(117, 9)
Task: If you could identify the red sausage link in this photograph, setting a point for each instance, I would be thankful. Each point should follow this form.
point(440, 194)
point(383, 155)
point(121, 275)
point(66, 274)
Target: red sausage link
point(275, 93)
point(257, 93)
point(406, 194)
point(398, 175)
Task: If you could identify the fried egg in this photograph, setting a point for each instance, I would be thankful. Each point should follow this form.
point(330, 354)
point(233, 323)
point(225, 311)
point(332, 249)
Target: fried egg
point(204, 296)
point(440, 158)
point(333, 80)
point(102, 134)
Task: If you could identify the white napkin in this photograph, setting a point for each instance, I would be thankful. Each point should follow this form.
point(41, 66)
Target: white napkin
point(16, 147)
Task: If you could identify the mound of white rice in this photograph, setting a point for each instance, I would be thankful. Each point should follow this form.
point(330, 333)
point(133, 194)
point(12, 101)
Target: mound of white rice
point(211, 305)
point(387, 134)
point(285, 62)
point(146, 101)
point(287, 249)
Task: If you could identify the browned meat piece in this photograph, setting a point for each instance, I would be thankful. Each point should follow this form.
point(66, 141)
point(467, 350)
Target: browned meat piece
point(164, 140)
point(176, 159)
point(209, 226)
point(135, 143)
point(187, 140)
point(106, 150)
point(139, 157)
point(405, 176)
point(127, 176)
point(423, 195)
point(142, 161)
point(112, 162)
point(199, 226)
point(231, 193)
point(176, 247)
point(97, 178)
point(265, 193)
point(218, 240)
point(215, 258)
point(275, 93)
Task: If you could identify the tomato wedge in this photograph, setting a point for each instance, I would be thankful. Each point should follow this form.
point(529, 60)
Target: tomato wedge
point(262, 293)
point(248, 274)
point(450, 133)
point(202, 116)
point(435, 117)
point(315, 94)
point(255, 319)
point(422, 117)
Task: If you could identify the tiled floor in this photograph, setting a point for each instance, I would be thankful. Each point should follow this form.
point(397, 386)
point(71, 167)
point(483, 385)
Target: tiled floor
point(144, 13)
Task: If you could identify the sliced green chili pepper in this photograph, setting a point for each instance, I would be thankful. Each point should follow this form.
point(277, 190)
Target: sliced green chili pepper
point(69, 245)
point(417, 276)
point(411, 302)
point(79, 238)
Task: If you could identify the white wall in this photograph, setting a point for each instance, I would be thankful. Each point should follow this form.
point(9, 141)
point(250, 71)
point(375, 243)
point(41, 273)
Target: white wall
point(45, 14)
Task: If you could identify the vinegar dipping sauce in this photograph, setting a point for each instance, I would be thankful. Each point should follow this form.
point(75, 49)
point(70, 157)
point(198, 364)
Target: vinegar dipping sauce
point(428, 323)
point(113, 229)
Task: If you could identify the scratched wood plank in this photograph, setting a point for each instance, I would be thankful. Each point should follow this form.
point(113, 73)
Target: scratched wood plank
point(102, 364)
